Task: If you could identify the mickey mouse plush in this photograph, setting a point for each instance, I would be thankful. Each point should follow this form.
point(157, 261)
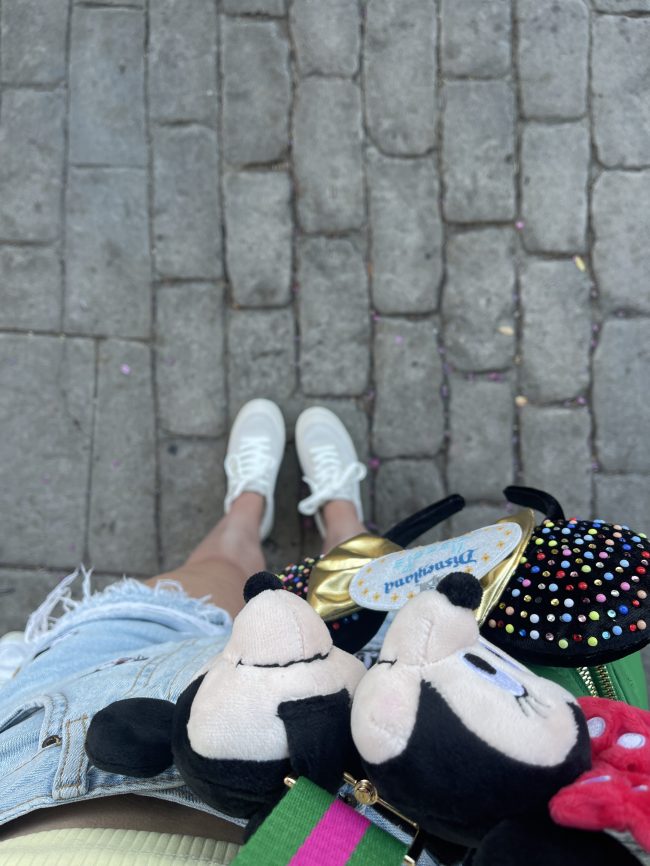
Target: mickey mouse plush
point(275, 701)
point(469, 743)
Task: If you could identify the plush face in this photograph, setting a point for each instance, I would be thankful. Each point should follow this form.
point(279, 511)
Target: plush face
point(277, 699)
point(453, 731)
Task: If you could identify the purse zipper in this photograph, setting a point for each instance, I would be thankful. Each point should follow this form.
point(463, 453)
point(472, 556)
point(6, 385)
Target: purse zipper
point(601, 674)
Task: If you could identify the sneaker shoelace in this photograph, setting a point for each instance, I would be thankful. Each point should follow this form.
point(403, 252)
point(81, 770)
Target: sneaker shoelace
point(250, 465)
point(330, 478)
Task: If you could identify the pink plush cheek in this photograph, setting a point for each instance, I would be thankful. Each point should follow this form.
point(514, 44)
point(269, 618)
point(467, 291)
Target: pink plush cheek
point(383, 715)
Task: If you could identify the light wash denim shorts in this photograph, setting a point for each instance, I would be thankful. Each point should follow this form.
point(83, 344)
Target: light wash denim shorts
point(129, 640)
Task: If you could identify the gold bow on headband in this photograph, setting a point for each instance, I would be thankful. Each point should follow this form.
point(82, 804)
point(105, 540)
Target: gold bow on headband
point(329, 582)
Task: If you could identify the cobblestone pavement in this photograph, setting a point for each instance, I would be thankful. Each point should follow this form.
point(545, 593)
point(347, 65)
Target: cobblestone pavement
point(429, 215)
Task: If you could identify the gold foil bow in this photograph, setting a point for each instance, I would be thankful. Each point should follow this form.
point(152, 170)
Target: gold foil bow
point(329, 582)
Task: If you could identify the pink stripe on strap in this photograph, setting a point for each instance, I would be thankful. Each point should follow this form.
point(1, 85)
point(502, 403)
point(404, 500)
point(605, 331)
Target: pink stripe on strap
point(333, 840)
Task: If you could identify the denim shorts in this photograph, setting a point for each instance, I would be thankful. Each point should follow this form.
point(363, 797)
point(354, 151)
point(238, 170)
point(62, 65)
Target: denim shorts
point(129, 640)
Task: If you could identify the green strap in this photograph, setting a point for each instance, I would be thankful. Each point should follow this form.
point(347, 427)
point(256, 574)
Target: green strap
point(310, 827)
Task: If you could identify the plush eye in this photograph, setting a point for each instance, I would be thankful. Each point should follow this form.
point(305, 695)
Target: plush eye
point(499, 678)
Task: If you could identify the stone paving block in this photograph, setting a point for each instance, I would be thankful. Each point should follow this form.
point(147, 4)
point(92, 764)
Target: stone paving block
point(21, 592)
point(400, 75)
point(122, 535)
point(621, 104)
point(475, 38)
point(553, 57)
point(192, 490)
point(556, 455)
point(402, 487)
point(31, 291)
point(409, 416)
point(478, 299)
point(334, 318)
point(108, 273)
point(187, 209)
point(556, 330)
point(481, 422)
point(621, 255)
point(183, 60)
point(622, 5)
point(190, 363)
point(107, 87)
point(259, 231)
point(624, 499)
point(554, 177)
point(253, 7)
point(256, 91)
point(31, 165)
point(327, 155)
point(406, 246)
point(326, 36)
point(478, 147)
point(46, 396)
point(474, 516)
point(261, 356)
point(621, 366)
point(33, 41)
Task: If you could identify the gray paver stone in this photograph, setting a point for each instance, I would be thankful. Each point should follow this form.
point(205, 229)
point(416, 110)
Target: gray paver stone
point(190, 360)
point(256, 91)
point(46, 393)
point(481, 424)
point(621, 103)
point(622, 5)
point(553, 57)
point(556, 455)
point(400, 74)
point(261, 356)
point(326, 36)
point(31, 165)
point(107, 87)
point(402, 487)
point(475, 37)
point(187, 215)
point(406, 249)
point(624, 499)
point(252, 7)
point(555, 166)
point(409, 418)
point(122, 535)
point(475, 516)
point(183, 60)
point(621, 256)
point(334, 318)
point(478, 146)
point(327, 155)
point(108, 274)
point(33, 41)
point(478, 299)
point(259, 237)
point(31, 291)
point(621, 364)
point(556, 330)
point(192, 489)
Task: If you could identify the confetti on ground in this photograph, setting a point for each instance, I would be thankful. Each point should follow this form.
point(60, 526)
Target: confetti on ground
point(581, 401)
point(506, 330)
point(519, 225)
point(399, 339)
point(376, 317)
point(125, 370)
point(579, 263)
point(495, 377)
point(116, 463)
point(444, 391)
point(520, 400)
point(374, 463)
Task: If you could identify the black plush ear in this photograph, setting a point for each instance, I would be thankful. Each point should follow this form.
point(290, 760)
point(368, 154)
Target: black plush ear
point(461, 589)
point(319, 737)
point(132, 737)
point(260, 581)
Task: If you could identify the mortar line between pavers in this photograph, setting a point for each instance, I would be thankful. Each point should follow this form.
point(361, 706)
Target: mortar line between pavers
point(518, 467)
point(445, 393)
point(153, 342)
point(65, 172)
point(67, 569)
point(595, 312)
point(91, 456)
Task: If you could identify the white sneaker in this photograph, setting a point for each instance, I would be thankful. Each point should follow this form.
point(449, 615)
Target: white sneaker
point(329, 460)
point(255, 451)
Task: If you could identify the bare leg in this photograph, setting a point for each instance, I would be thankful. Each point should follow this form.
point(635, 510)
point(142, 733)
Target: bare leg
point(341, 523)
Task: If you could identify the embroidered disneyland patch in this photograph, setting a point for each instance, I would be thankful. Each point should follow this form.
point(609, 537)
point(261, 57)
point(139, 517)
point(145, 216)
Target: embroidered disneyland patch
point(390, 581)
